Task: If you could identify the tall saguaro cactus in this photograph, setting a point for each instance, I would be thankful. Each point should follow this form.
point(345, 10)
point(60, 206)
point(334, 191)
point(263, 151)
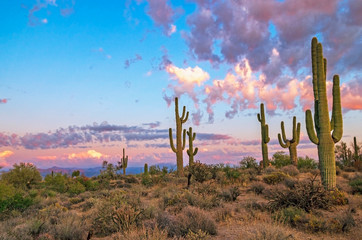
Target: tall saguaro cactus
point(124, 162)
point(321, 135)
point(191, 152)
point(264, 135)
point(291, 144)
point(180, 144)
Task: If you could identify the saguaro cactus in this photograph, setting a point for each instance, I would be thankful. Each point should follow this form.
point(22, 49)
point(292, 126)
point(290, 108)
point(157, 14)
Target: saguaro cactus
point(180, 145)
point(124, 162)
point(264, 136)
point(322, 136)
point(145, 169)
point(292, 143)
point(191, 151)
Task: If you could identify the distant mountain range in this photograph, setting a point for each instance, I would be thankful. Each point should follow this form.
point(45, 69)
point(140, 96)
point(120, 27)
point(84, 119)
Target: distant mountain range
point(90, 172)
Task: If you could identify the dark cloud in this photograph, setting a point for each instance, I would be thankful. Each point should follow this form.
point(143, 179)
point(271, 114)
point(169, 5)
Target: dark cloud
point(153, 124)
point(74, 136)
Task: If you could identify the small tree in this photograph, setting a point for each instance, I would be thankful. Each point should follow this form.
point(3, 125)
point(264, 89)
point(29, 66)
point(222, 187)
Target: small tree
point(280, 159)
point(248, 162)
point(23, 175)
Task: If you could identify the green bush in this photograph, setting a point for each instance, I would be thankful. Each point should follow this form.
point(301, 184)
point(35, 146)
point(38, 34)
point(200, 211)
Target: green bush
point(289, 215)
point(200, 171)
point(356, 185)
point(274, 178)
point(307, 163)
point(57, 182)
point(249, 162)
point(24, 176)
point(230, 194)
point(16, 202)
point(280, 159)
point(76, 188)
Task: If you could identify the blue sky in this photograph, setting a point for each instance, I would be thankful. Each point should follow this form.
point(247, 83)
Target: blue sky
point(121, 63)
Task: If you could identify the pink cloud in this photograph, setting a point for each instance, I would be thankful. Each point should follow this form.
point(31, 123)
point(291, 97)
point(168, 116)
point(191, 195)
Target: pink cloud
point(3, 100)
point(3, 156)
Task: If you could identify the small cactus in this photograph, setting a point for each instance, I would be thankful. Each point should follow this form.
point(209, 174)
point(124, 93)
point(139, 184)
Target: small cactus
point(124, 162)
point(145, 169)
point(180, 145)
point(191, 152)
point(264, 136)
point(292, 143)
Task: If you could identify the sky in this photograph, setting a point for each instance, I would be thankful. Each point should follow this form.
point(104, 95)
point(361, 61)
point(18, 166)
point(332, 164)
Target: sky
point(80, 80)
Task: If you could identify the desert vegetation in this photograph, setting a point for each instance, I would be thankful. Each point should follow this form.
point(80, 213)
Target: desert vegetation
point(284, 197)
point(282, 201)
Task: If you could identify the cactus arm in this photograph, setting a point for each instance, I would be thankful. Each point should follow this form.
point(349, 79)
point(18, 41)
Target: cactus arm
point(266, 133)
point(298, 134)
point(171, 140)
point(294, 133)
point(283, 131)
point(310, 128)
point(188, 152)
point(259, 119)
point(337, 111)
point(183, 112)
point(196, 150)
point(286, 145)
point(314, 67)
point(194, 136)
point(184, 140)
point(183, 120)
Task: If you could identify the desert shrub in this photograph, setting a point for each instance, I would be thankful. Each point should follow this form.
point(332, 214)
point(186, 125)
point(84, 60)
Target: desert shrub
point(199, 235)
point(57, 182)
point(274, 178)
point(349, 169)
point(291, 170)
point(70, 226)
point(249, 162)
point(230, 194)
point(200, 171)
point(356, 185)
point(307, 163)
point(89, 184)
point(267, 231)
point(18, 202)
point(307, 195)
point(343, 222)
point(24, 175)
point(270, 169)
point(144, 233)
point(76, 188)
point(222, 214)
point(126, 216)
point(289, 215)
point(131, 179)
point(257, 188)
point(232, 173)
point(190, 219)
point(290, 182)
point(146, 180)
point(280, 159)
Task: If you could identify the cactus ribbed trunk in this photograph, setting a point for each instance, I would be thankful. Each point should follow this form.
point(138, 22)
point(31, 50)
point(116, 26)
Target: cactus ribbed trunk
point(180, 137)
point(264, 136)
point(322, 136)
point(293, 154)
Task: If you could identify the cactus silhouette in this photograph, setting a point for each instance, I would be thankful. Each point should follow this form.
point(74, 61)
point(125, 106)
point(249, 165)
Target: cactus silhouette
point(264, 136)
point(124, 162)
point(292, 143)
point(321, 135)
point(191, 151)
point(180, 145)
point(145, 169)
point(356, 150)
